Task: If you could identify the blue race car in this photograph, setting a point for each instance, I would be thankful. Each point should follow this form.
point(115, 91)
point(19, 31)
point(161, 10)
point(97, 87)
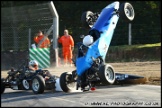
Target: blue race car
point(91, 68)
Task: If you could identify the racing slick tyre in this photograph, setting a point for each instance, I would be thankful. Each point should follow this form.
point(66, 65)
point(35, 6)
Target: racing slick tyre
point(87, 19)
point(107, 74)
point(2, 86)
point(67, 84)
point(38, 84)
point(126, 11)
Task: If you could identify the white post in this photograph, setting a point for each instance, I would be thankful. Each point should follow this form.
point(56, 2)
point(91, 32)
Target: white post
point(55, 30)
point(129, 35)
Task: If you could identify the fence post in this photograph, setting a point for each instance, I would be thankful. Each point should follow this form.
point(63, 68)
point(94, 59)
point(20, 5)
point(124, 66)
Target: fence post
point(55, 30)
point(129, 35)
point(29, 44)
point(1, 41)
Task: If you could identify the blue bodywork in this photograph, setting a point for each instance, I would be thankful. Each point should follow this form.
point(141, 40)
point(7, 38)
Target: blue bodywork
point(105, 25)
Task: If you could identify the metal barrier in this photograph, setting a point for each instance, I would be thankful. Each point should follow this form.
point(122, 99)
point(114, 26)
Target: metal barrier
point(42, 55)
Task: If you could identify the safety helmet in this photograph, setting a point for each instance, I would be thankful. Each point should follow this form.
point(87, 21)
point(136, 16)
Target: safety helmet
point(87, 40)
point(33, 63)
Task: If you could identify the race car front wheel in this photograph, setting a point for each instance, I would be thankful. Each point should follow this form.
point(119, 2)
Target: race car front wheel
point(126, 11)
point(38, 84)
point(67, 84)
point(25, 84)
point(107, 74)
point(2, 86)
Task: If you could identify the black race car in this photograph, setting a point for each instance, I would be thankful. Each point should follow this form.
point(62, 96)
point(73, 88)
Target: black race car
point(25, 79)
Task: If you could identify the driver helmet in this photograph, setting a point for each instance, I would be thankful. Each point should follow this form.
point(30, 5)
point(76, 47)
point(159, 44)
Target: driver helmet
point(88, 40)
point(33, 63)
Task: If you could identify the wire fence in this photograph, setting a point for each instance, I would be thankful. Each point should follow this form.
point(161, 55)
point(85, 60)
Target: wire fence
point(139, 35)
point(19, 25)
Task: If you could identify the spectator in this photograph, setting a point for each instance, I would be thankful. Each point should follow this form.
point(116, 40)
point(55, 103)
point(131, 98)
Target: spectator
point(39, 37)
point(67, 47)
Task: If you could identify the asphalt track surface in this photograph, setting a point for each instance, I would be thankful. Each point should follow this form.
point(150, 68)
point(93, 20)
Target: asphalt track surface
point(105, 96)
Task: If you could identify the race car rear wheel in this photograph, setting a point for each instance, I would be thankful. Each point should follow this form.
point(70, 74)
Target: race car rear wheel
point(107, 74)
point(66, 82)
point(126, 11)
point(87, 19)
point(2, 86)
point(38, 84)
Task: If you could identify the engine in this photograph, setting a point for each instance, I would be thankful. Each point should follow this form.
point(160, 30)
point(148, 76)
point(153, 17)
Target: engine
point(92, 73)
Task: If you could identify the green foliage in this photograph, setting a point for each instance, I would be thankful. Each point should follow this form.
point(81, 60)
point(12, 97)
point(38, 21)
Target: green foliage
point(138, 46)
point(127, 53)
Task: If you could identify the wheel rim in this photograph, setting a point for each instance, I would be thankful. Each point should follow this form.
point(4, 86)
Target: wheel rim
point(25, 84)
point(69, 83)
point(109, 74)
point(35, 85)
point(90, 20)
point(129, 12)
